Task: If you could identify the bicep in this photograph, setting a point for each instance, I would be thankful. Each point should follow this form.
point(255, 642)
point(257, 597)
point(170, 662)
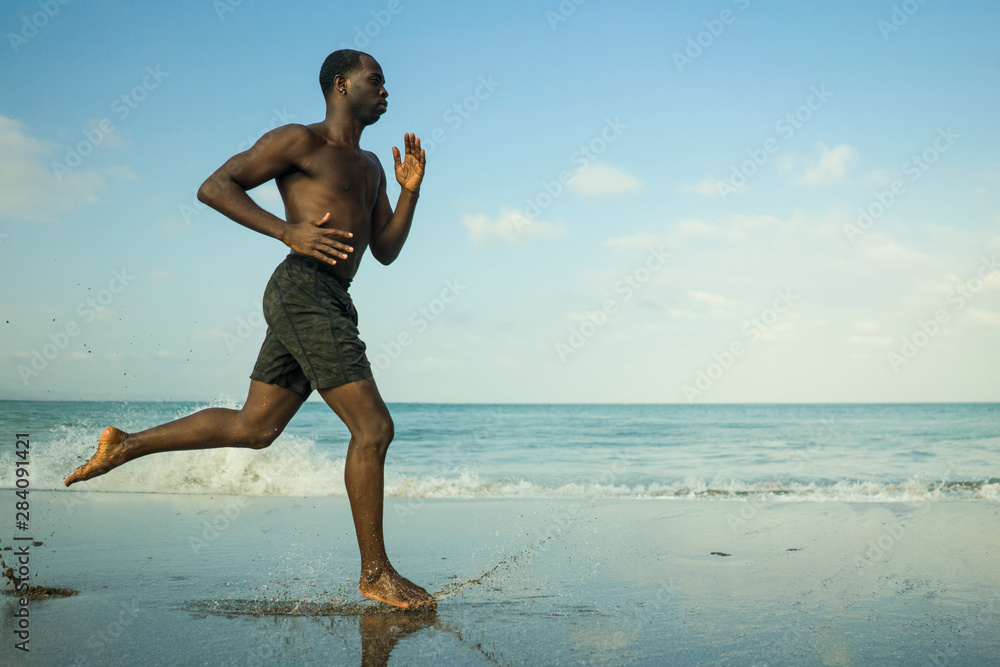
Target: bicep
point(273, 155)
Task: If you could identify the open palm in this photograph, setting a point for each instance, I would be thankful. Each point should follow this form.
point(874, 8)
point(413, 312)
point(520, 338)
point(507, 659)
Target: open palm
point(409, 169)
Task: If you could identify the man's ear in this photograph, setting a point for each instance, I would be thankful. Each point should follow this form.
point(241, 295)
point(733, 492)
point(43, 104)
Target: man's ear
point(339, 84)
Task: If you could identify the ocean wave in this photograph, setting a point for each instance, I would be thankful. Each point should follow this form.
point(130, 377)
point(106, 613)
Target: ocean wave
point(469, 485)
point(296, 465)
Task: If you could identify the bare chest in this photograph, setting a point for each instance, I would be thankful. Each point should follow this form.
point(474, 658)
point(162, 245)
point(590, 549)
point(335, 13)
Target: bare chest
point(344, 176)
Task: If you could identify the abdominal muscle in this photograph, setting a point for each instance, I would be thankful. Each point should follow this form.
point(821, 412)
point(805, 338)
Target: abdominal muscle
point(347, 213)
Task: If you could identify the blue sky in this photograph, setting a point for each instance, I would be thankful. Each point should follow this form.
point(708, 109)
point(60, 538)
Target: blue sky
point(631, 202)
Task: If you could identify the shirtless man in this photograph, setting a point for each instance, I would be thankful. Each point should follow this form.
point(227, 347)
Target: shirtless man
point(335, 206)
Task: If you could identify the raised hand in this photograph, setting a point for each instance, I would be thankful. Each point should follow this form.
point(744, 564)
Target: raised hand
point(410, 170)
point(309, 238)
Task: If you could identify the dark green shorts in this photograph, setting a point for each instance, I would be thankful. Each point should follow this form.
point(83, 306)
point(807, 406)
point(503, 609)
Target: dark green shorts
point(312, 329)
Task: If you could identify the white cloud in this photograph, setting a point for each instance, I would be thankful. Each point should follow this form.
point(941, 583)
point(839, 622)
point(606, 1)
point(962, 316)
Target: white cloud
point(713, 300)
point(988, 317)
point(696, 227)
point(31, 190)
point(596, 179)
point(880, 178)
point(686, 315)
point(712, 187)
point(871, 340)
point(831, 166)
point(640, 241)
point(512, 227)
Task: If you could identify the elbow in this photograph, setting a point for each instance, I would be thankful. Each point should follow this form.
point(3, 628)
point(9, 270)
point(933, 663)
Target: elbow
point(210, 190)
point(382, 255)
point(205, 193)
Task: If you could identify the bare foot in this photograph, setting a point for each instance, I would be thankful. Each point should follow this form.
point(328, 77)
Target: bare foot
point(109, 455)
point(392, 588)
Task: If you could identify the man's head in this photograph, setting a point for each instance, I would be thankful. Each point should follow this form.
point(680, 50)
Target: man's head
point(354, 79)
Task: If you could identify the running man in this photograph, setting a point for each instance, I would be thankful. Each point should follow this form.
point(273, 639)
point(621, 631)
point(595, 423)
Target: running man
point(335, 206)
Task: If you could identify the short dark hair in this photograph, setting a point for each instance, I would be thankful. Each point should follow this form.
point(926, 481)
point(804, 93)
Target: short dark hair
point(341, 62)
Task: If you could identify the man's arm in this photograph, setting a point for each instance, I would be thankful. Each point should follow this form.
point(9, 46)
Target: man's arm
point(390, 229)
point(276, 153)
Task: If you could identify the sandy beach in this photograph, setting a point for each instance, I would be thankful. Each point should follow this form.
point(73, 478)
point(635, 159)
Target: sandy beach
point(196, 580)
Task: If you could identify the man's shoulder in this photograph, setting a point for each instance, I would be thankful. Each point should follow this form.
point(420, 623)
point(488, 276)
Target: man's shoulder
point(294, 132)
point(292, 137)
point(372, 158)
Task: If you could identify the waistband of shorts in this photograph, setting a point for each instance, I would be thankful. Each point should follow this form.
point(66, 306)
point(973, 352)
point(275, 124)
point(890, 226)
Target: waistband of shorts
point(315, 264)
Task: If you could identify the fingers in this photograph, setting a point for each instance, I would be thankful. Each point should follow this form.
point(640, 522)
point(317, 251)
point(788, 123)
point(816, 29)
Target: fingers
point(323, 258)
point(413, 148)
point(338, 250)
point(329, 231)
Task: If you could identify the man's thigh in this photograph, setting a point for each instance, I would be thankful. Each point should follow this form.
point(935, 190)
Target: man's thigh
point(360, 406)
point(269, 406)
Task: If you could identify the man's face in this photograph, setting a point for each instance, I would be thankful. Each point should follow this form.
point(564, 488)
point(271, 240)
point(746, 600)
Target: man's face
point(367, 94)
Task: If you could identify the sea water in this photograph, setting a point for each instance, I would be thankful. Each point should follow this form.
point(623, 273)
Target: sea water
point(786, 452)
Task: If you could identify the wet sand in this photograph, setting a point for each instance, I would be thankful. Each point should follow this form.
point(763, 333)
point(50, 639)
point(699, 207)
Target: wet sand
point(198, 580)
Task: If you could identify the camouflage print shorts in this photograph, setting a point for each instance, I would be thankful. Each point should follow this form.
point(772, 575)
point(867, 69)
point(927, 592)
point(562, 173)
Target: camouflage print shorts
point(312, 337)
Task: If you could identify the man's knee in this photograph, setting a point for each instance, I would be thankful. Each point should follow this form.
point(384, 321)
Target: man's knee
point(376, 434)
point(259, 438)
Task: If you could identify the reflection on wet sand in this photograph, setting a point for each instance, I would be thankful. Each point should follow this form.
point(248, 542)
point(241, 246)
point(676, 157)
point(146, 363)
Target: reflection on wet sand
point(381, 632)
point(381, 627)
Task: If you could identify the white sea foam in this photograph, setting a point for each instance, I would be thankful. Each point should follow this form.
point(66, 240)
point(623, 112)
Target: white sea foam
point(299, 465)
point(295, 466)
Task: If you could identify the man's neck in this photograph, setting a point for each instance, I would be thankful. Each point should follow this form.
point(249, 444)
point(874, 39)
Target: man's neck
point(341, 129)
